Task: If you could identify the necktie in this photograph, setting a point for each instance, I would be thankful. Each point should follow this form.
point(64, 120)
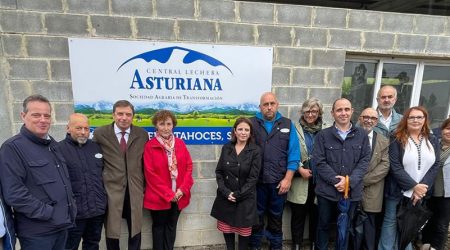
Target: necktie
point(123, 143)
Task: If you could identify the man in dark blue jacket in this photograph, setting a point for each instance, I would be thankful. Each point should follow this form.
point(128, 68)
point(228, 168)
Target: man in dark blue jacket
point(35, 180)
point(339, 151)
point(85, 163)
point(280, 149)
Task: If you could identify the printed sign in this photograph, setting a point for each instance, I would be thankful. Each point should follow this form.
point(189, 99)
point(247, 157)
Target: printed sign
point(206, 86)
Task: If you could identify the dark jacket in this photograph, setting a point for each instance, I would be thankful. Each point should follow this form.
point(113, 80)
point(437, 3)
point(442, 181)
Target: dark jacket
point(237, 174)
point(85, 165)
point(36, 184)
point(275, 148)
point(334, 156)
point(398, 179)
point(9, 239)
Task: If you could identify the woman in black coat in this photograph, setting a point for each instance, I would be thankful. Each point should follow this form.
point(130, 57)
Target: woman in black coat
point(237, 174)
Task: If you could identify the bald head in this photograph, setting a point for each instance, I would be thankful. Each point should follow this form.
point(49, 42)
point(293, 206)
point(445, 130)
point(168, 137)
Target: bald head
point(268, 105)
point(78, 128)
point(368, 119)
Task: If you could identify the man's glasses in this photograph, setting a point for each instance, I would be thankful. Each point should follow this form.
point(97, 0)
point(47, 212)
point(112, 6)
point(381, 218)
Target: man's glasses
point(419, 118)
point(371, 118)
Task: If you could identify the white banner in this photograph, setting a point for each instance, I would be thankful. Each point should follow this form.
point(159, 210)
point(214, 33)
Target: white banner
point(206, 86)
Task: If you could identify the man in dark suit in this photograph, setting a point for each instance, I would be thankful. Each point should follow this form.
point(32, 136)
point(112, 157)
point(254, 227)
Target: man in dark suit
point(122, 145)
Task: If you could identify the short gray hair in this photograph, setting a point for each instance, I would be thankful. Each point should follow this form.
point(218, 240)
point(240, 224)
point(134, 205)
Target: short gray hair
point(311, 102)
point(34, 98)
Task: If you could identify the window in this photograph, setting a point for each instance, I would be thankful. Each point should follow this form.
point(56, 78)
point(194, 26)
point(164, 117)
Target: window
point(417, 83)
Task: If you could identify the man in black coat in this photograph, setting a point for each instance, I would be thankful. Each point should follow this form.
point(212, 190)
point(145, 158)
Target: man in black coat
point(85, 164)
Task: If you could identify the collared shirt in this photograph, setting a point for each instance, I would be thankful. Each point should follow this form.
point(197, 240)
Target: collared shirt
point(385, 122)
point(343, 134)
point(370, 135)
point(118, 133)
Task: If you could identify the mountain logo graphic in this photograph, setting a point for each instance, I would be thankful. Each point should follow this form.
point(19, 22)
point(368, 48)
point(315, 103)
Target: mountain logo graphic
point(163, 55)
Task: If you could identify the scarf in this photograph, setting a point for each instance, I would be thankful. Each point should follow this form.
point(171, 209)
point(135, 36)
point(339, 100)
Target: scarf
point(169, 147)
point(445, 153)
point(313, 129)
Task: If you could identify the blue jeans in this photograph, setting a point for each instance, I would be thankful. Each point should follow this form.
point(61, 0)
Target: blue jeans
point(388, 238)
point(54, 241)
point(89, 229)
point(271, 203)
point(326, 210)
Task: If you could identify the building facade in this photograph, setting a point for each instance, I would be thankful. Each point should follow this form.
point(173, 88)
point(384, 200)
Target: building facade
point(318, 52)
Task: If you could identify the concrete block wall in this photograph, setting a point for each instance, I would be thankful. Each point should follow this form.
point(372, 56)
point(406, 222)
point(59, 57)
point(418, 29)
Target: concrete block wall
point(310, 46)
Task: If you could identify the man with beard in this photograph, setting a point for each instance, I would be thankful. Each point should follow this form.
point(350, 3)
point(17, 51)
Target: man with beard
point(339, 151)
point(85, 164)
point(373, 181)
point(388, 118)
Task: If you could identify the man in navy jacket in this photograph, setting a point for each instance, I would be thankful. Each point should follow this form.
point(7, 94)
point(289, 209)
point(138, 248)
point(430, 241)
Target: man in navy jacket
point(85, 163)
point(35, 180)
point(340, 150)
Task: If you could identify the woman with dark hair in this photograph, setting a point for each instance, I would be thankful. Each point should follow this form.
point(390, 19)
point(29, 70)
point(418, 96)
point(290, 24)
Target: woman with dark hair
point(237, 174)
point(168, 175)
point(436, 230)
point(301, 194)
point(414, 160)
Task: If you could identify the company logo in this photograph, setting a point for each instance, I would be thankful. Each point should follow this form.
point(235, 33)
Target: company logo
point(172, 79)
point(163, 55)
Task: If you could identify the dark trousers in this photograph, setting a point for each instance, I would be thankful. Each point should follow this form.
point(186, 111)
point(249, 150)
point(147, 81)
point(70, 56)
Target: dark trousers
point(326, 210)
point(164, 227)
point(134, 243)
point(370, 225)
point(436, 230)
point(90, 229)
point(54, 241)
point(271, 203)
point(299, 213)
point(230, 241)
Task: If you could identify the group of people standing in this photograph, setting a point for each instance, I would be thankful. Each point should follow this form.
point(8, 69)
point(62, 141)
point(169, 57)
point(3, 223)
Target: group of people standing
point(382, 160)
point(55, 194)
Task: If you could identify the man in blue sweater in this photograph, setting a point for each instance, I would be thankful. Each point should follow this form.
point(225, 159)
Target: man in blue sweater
point(280, 149)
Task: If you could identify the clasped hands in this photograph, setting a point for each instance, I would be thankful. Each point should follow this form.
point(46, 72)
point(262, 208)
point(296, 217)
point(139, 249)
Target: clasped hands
point(178, 195)
point(419, 191)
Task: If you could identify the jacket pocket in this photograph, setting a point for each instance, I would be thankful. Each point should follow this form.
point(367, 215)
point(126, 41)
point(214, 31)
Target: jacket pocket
point(356, 152)
point(333, 152)
point(42, 172)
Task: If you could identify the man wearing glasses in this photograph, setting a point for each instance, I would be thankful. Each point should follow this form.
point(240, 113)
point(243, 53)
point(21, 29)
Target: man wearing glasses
point(373, 180)
point(388, 118)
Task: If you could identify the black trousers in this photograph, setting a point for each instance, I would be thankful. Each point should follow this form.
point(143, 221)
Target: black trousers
point(90, 229)
point(164, 227)
point(134, 243)
point(298, 217)
point(436, 230)
point(370, 226)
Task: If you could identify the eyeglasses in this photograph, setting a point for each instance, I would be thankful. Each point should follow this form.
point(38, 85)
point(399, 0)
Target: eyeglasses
point(419, 118)
point(372, 118)
point(311, 112)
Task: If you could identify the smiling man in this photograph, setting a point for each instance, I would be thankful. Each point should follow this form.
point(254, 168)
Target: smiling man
point(34, 180)
point(373, 181)
point(123, 144)
point(340, 150)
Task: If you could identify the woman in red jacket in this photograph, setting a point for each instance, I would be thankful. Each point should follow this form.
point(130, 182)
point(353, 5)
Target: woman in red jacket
point(168, 175)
